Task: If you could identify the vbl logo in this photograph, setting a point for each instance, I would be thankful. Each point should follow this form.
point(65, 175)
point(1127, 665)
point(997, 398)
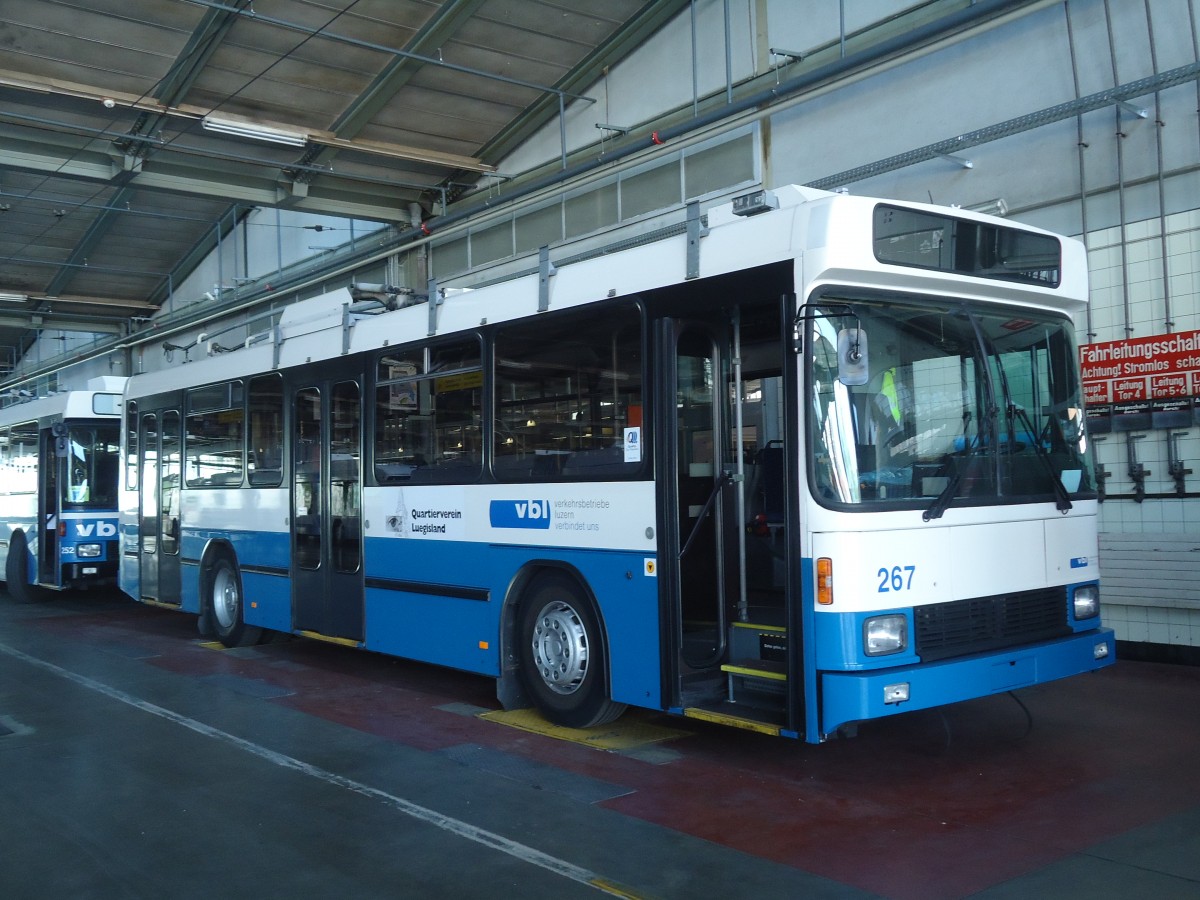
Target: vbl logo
point(520, 513)
point(95, 529)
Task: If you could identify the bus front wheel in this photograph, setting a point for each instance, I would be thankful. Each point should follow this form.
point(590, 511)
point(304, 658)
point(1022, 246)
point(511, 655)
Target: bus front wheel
point(225, 606)
point(562, 661)
point(16, 571)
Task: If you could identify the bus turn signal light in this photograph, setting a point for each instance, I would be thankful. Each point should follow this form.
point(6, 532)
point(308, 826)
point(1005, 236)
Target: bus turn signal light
point(825, 581)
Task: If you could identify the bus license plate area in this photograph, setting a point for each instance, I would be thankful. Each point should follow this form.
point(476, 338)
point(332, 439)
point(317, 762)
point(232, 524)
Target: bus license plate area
point(1014, 673)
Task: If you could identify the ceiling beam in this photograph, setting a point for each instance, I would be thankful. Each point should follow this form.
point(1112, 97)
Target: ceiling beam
point(47, 321)
point(121, 305)
point(372, 199)
point(205, 39)
point(38, 158)
point(194, 113)
point(175, 84)
point(436, 32)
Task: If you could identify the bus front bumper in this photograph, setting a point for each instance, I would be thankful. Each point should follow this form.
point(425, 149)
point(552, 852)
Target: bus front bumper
point(857, 696)
point(85, 574)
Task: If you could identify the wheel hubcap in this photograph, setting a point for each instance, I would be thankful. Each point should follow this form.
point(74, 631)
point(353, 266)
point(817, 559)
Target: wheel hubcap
point(225, 599)
point(560, 647)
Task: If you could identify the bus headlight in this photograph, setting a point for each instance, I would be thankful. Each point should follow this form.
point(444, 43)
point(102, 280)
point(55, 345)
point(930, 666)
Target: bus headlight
point(1087, 601)
point(885, 634)
point(87, 551)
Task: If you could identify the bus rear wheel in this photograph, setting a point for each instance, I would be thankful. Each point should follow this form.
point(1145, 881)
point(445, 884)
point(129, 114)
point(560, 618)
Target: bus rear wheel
point(562, 661)
point(16, 571)
point(225, 606)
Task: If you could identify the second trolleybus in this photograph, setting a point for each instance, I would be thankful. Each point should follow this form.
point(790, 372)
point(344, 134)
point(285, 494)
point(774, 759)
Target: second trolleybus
point(59, 469)
point(812, 461)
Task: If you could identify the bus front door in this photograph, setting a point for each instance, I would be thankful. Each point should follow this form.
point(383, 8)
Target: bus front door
point(326, 514)
point(148, 507)
point(158, 513)
point(169, 474)
point(724, 551)
point(49, 566)
point(697, 547)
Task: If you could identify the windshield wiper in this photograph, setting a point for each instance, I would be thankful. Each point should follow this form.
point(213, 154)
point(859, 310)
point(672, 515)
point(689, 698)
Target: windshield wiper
point(988, 433)
point(1062, 498)
point(942, 501)
point(1013, 411)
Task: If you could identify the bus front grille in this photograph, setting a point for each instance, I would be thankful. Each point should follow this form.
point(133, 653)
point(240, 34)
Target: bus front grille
point(979, 624)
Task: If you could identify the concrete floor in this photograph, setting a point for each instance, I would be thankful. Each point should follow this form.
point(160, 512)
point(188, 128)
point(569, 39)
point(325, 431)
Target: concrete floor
point(137, 762)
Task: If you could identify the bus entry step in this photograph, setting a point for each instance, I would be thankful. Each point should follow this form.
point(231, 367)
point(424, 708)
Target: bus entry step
point(761, 676)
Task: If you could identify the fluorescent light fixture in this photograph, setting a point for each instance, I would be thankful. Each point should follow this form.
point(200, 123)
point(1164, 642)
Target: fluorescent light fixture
point(255, 132)
point(13, 298)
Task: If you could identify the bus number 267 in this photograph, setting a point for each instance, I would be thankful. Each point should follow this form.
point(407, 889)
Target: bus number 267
point(894, 579)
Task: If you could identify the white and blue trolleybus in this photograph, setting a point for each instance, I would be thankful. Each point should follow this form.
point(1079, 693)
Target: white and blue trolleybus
point(806, 461)
point(59, 470)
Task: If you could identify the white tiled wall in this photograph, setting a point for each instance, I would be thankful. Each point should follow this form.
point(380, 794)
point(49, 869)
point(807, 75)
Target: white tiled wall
point(1160, 614)
point(1154, 624)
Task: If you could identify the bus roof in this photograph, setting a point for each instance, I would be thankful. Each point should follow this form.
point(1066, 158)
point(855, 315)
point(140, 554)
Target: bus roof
point(71, 404)
point(827, 237)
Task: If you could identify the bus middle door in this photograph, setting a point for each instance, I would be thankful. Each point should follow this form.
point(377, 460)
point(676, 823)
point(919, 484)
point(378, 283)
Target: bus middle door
point(326, 515)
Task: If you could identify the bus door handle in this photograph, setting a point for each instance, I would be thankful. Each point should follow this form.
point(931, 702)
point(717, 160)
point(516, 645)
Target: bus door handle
point(724, 479)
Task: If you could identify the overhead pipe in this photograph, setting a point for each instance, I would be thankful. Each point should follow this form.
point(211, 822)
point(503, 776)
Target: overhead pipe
point(1159, 124)
point(1081, 148)
point(1120, 152)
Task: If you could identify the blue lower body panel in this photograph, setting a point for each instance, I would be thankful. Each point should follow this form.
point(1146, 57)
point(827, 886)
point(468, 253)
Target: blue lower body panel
point(267, 600)
point(857, 696)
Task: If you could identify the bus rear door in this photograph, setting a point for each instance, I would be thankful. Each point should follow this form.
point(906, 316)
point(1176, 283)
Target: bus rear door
point(326, 514)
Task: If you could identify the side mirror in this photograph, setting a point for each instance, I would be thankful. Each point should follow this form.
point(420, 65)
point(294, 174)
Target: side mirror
point(59, 431)
point(852, 356)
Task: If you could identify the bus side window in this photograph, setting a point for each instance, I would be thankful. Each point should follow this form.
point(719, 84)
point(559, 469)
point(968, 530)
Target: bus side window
point(567, 396)
point(265, 435)
point(428, 414)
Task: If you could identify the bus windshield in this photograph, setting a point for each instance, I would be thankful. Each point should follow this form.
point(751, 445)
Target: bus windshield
point(924, 405)
point(92, 467)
